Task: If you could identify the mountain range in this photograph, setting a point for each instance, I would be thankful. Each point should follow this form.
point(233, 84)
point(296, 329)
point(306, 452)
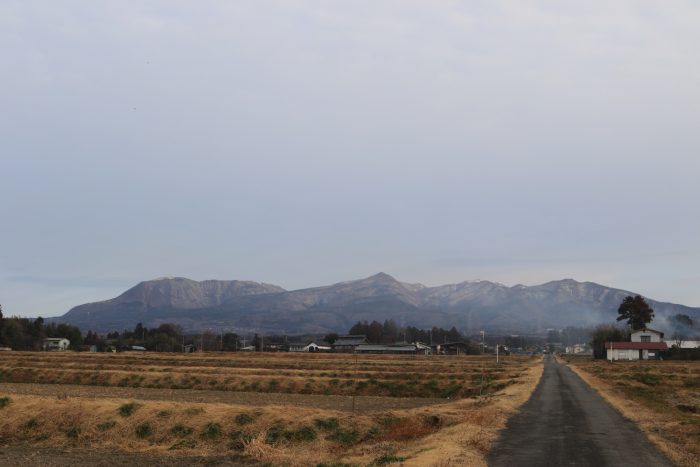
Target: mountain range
point(246, 306)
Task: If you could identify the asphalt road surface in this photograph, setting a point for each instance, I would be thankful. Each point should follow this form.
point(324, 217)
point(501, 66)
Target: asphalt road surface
point(565, 422)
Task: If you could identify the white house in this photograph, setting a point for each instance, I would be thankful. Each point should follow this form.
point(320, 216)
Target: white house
point(647, 335)
point(310, 347)
point(55, 343)
point(645, 344)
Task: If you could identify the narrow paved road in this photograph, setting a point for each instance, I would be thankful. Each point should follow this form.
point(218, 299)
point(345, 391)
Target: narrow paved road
point(565, 422)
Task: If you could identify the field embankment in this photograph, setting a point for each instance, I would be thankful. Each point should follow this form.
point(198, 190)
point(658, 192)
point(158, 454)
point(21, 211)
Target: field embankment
point(662, 397)
point(399, 418)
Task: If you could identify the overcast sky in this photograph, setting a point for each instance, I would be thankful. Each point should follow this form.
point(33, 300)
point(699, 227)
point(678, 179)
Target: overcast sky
point(307, 142)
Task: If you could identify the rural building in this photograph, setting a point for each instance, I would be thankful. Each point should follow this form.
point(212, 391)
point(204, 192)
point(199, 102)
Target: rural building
point(87, 348)
point(645, 344)
point(399, 348)
point(579, 349)
point(309, 347)
point(647, 335)
point(451, 348)
point(349, 343)
point(55, 344)
point(683, 343)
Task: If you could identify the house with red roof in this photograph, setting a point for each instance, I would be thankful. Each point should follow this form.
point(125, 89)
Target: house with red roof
point(644, 344)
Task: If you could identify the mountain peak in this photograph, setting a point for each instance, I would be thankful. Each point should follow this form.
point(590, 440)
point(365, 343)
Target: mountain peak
point(253, 306)
point(381, 276)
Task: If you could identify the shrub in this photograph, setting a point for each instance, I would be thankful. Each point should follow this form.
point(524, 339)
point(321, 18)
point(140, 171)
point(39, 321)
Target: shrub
point(274, 434)
point(128, 409)
point(388, 459)
point(688, 408)
point(181, 430)
point(344, 437)
point(278, 433)
point(211, 431)
point(327, 423)
point(243, 419)
point(4, 402)
point(31, 424)
point(143, 430)
point(106, 425)
point(305, 434)
point(164, 413)
point(74, 432)
point(647, 378)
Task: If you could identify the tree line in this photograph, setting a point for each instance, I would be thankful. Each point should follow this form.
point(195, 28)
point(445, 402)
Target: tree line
point(28, 334)
point(389, 332)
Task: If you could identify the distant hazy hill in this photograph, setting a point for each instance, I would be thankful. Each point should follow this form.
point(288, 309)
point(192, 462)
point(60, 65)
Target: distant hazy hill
point(258, 307)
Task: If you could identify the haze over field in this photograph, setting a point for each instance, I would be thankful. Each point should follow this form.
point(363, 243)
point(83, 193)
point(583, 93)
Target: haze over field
point(305, 143)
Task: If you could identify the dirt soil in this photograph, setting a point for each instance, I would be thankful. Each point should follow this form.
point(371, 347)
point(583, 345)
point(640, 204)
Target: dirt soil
point(363, 404)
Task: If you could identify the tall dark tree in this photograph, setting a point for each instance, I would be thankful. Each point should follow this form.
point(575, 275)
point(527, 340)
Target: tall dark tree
point(636, 311)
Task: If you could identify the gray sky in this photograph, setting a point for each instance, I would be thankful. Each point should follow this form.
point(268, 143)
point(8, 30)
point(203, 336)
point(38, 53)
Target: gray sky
point(307, 142)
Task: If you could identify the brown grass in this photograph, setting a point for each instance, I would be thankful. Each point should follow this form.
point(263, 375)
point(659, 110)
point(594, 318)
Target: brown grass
point(659, 396)
point(457, 432)
point(369, 375)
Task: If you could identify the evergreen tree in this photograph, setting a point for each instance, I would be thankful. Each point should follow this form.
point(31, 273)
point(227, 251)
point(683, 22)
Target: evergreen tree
point(636, 311)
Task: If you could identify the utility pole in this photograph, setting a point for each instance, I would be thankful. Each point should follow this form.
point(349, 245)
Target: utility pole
point(483, 344)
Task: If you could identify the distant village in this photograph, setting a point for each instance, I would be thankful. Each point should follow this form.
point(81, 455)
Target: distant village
point(605, 341)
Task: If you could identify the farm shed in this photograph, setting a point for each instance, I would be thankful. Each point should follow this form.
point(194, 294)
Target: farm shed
point(388, 349)
point(349, 343)
point(55, 344)
point(309, 347)
point(634, 350)
point(451, 348)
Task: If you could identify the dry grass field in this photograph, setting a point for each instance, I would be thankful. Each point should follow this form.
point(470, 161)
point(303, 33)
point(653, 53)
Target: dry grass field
point(663, 397)
point(280, 409)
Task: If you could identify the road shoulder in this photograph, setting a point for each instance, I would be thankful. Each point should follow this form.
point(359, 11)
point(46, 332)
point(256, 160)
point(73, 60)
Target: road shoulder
point(651, 423)
point(468, 442)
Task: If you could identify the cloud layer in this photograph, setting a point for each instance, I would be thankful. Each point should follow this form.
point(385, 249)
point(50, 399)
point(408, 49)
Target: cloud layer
point(309, 142)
